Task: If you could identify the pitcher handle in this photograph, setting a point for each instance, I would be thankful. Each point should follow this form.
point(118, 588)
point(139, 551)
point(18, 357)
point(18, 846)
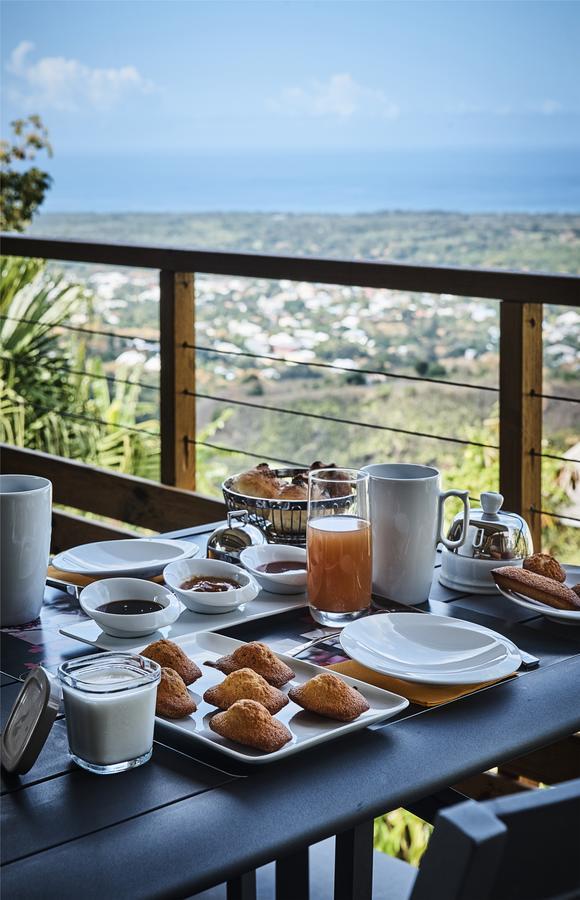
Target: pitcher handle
point(464, 497)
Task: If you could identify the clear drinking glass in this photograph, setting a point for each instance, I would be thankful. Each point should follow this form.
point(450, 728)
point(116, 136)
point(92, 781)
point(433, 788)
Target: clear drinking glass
point(109, 701)
point(338, 546)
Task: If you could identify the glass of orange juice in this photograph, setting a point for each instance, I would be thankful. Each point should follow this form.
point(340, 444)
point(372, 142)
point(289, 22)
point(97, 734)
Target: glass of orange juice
point(338, 545)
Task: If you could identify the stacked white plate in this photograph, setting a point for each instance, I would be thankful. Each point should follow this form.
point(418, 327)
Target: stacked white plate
point(561, 616)
point(136, 557)
point(430, 649)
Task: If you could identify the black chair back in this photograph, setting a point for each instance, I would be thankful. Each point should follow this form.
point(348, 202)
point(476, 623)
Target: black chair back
point(522, 847)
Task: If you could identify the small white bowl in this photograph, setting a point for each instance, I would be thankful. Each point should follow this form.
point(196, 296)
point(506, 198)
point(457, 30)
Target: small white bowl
point(118, 625)
point(220, 602)
point(280, 582)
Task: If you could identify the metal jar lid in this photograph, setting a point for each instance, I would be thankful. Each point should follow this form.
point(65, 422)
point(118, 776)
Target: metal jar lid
point(492, 534)
point(30, 721)
point(228, 541)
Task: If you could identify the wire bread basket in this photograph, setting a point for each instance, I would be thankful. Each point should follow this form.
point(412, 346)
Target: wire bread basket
point(283, 521)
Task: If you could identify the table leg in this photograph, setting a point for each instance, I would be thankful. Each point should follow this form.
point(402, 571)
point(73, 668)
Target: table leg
point(292, 876)
point(353, 863)
point(243, 887)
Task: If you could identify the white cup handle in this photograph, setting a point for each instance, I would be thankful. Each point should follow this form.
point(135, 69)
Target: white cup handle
point(464, 497)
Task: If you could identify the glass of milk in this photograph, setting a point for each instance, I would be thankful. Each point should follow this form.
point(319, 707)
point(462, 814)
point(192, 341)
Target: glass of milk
point(109, 702)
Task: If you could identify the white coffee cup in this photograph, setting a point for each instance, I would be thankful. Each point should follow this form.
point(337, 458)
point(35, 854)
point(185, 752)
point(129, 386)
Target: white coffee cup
point(407, 519)
point(25, 526)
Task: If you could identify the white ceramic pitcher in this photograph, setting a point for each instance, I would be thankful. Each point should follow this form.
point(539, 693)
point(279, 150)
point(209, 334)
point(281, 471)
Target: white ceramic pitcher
point(407, 524)
point(25, 525)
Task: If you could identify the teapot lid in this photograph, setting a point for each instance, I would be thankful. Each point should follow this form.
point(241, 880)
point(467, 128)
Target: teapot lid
point(492, 533)
point(228, 541)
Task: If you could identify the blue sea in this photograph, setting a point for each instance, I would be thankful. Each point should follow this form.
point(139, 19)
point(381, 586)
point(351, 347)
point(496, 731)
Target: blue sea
point(454, 180)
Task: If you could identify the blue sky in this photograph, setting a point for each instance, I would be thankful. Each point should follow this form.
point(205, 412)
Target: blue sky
point(132, 75)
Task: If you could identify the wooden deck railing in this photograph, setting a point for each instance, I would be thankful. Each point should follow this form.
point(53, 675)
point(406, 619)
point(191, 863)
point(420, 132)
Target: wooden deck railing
point(140, 502)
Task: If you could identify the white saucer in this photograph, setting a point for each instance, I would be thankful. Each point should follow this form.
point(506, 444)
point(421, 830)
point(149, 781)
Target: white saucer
point(430, 649)
point(561, 616)
point(142, 557)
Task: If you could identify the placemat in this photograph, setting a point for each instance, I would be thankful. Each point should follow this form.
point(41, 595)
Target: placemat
point(420, 694)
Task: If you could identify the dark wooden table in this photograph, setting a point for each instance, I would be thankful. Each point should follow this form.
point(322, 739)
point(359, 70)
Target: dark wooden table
point(192, 818)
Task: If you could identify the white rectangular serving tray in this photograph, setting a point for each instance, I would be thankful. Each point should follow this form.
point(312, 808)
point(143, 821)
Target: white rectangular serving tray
point(307, 729)
point(265, 604)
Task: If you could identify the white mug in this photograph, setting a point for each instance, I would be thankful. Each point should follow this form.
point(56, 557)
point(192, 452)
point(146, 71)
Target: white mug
point(407, 520)
point(25, 526)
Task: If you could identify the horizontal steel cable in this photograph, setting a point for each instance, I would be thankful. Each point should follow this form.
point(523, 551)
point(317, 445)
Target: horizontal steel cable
point(554, 397)
point(553, 515)
point(65, 369)
point(553, 456)
point(325, 365)
point(324, 418)
point(263, 456)
point(80, 329)
point(91, 419)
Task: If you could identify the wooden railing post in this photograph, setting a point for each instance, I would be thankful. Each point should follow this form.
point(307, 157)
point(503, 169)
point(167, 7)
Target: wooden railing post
point(177, 415)
point(520, 424)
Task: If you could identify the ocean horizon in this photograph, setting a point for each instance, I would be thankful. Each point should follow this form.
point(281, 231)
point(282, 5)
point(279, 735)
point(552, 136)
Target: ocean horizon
point(465, 181)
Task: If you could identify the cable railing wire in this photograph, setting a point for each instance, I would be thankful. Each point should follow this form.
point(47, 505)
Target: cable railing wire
point(325, 365)
point(91, 419)
point(534, 393)
point(262, 456)
point(567, 459)
point(553, 515)
point(66, 370)
point(81, 329)
point(325, 418)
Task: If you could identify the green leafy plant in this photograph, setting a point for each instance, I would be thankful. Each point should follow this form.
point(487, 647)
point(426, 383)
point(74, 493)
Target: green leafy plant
point(403, 835)
point(22, 189)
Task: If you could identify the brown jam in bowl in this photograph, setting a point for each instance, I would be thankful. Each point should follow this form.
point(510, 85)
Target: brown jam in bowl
point(208, 584)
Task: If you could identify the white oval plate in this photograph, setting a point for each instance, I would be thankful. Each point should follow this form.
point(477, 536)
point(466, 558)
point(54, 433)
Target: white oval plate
point(436, 639)
point(141, 557)
point(561, 616)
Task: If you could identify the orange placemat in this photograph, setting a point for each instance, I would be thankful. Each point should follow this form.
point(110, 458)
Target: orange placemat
point(83, 580)
point(421, 694)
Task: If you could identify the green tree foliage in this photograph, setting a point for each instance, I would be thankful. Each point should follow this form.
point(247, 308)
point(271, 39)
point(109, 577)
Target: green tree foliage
point(22, 189)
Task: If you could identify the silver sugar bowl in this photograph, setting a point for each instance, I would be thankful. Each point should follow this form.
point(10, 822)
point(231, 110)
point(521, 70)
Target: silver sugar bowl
point(228, 541)
point(494, 538)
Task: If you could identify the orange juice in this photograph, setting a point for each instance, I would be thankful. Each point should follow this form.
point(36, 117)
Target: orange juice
point(339, 563)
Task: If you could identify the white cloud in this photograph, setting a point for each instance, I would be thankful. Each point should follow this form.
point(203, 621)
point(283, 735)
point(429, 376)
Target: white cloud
point(339, 96)
point(68, 84)
point(549, 107)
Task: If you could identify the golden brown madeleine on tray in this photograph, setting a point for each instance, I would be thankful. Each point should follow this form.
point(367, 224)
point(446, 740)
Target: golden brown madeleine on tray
point(173, 699)
point(248, 722)
point(245, 684)
point(166, 653)
point(536, 587)
point(330, 696)
point(546, 565)
point(260, 658)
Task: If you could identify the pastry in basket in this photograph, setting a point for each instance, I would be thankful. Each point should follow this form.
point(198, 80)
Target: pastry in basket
point(258, 657)
point(248, 722)
point(166, 653)
point(173, 699)
point(335, 488)
point(330, 696)
point(296, 490)
point(294, 519)
point(536, 587)
point(261, 481)
point(576, 589)
point(544, 564)
point(245, 684)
